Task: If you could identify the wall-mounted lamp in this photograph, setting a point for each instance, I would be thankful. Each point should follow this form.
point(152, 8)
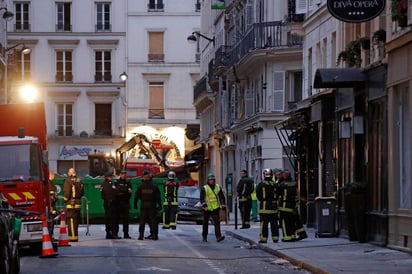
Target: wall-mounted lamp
point(7, 15)
point(123, 76)
point(193, 37)
point(24, 49)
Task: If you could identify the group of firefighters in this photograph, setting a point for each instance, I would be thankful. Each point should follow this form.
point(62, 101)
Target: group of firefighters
point(278, 205)
point(277, 195)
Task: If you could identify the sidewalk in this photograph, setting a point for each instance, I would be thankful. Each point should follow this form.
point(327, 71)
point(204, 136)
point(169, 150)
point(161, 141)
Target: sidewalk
point(328, 255)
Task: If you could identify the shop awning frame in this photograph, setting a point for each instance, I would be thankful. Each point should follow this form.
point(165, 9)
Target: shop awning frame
point(339, 77)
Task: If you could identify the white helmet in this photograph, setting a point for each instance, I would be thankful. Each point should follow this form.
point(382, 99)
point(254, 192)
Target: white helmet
point(171, 175)
point(267, 173)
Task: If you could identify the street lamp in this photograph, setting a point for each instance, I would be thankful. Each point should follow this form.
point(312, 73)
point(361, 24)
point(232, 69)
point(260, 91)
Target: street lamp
point(7, 15)
point(123, 76)
point(25, 50)
point(193, 37)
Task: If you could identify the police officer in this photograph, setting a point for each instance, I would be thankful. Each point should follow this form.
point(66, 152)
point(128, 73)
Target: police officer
point(124, 188)
point(73, 193)
point(109, 193)
point(266, 194)
point(212, 199)
point(288, 209)
point(245, 188)
point(170, 201)
point(150, 203)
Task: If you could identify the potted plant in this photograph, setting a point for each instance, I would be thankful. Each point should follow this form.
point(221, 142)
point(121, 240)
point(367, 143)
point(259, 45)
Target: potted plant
point(399, 10)
point(379, 36)
point(351, 54)
point(355, 208)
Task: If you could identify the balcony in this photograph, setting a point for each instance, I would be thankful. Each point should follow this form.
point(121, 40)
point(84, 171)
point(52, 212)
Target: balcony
point(267, 35)
point(222, 58)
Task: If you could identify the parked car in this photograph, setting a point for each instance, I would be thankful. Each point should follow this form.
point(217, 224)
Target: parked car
point(189, 207)
point(9, 237)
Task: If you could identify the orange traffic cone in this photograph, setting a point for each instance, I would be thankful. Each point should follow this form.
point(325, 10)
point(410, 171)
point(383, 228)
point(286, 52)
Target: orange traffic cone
point(63, 235)
point(47, 250)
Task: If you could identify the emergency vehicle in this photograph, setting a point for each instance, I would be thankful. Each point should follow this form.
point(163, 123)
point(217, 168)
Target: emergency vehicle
point(24, 170)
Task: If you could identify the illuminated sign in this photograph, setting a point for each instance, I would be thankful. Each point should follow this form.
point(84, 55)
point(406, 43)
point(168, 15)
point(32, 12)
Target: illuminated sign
point(355, 11)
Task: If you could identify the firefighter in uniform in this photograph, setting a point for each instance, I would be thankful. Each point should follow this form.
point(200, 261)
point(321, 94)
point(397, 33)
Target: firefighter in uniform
point(266, 194)
point(109, 193)
point(150, 203)
point(73, 193)
point(124, 188)
point(212, 199)
point(245, 188)
point(288, 209)
point(170, 201)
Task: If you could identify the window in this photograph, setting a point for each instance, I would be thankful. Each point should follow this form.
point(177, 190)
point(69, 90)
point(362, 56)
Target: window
point(103, 62)
point(64, 66)
point(197, 6)
point(155, 5)
point(63, 17)
point(156, 47)
point(295, 86)
point(103, 17)
point(23, 69)
point(22, 17)
point(64, 119)
point(103, 119)
point(156, 100)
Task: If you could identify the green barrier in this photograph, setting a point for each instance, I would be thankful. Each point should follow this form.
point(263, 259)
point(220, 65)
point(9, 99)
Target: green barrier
point(95, 202)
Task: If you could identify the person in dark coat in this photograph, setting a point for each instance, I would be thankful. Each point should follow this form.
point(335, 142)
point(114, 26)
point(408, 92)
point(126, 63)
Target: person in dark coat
point(245, 188)
point(124, 192)
point(73, 193)
point(288, 209)
point(266, 194)
point(150, 203)
point(109, 193)
point(170, 202)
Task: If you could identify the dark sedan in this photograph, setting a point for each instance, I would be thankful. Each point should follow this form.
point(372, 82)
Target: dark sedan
point(190, 208)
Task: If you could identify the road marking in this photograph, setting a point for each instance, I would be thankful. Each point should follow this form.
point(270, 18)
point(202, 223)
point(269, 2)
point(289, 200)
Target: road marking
point(198, 254)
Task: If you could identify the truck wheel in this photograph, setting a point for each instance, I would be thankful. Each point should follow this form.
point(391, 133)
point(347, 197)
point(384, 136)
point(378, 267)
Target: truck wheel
point(4, 259)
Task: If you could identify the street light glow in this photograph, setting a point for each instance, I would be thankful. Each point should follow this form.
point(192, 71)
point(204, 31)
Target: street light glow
point(28, 93)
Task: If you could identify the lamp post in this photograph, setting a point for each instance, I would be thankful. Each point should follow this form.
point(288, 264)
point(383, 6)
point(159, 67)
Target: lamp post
point(123, 77)
point(7, 16)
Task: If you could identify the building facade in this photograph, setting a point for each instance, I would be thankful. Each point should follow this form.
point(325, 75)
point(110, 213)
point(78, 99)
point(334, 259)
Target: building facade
point(77, 55)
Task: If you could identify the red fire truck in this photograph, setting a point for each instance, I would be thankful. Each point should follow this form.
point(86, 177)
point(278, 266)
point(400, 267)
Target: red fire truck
point(24, 171)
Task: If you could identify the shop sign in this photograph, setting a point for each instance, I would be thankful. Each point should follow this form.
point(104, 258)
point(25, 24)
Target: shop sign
point(68, 152)
point(355, 11)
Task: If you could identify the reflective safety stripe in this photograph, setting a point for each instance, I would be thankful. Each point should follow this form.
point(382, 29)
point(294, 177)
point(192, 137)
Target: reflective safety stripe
point(75, 206)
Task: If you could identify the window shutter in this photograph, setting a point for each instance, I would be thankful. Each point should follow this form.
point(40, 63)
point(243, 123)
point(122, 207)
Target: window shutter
point(249, 103)
point(278, 100)
point(301, 6)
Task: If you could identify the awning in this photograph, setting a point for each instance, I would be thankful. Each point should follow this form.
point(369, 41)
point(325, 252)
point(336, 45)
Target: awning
point(339, 77)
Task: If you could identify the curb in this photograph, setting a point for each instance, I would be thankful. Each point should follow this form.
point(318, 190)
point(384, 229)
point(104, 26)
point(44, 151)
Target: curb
point(296, 262)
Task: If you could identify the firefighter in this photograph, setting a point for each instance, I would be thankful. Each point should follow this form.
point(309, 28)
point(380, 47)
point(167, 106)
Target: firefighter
point(170, 201)
point(73, 193)
point(109, 193)
point(266, 194)
point(245, 188)
point(124, 188)
point(288, 209)
point(150, 203)
point(212, 199)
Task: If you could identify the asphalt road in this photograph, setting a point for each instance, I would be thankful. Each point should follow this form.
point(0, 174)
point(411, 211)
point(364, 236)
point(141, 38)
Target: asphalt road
point(176, 251)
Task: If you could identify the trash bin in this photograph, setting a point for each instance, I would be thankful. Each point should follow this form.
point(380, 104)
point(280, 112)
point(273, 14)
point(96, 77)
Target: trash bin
point(325, 216)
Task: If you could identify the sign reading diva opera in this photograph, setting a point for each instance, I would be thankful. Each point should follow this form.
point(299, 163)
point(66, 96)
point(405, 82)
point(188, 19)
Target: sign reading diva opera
point(355, 11)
